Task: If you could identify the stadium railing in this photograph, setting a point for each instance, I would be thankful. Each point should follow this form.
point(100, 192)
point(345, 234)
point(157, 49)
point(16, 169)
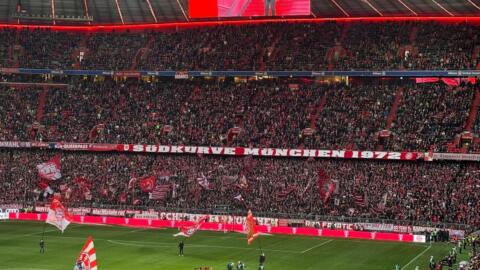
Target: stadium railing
point(30, 206)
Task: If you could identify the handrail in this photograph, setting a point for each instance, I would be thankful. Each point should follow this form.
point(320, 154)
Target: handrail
point(241, 212)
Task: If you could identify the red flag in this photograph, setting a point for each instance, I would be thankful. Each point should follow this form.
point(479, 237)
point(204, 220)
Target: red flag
point(88, 257)
point(147, 184)
point(58, 215)
point(188, 231)
point(251, 228)
point(326, 186)
point(330, 189)
point(51, 169)
point(44, 184)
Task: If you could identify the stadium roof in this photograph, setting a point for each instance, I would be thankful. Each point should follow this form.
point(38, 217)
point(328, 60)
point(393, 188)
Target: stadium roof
point(152, 11)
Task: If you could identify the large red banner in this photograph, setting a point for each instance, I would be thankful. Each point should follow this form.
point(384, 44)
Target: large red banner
point(220, 150)
point(269, 152)
point(213, 226)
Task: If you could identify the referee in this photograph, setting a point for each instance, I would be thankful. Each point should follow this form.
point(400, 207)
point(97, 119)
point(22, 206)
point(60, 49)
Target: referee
point(262, 259)
point(42, 246)
point(180, 248)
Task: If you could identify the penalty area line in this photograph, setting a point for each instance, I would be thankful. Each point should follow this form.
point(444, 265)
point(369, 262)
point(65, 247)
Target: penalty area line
point(316, 246)
point(416, 257)
point(153, 245)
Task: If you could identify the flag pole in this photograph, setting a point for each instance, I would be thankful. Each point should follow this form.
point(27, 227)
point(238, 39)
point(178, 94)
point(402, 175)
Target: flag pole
point(43, 232)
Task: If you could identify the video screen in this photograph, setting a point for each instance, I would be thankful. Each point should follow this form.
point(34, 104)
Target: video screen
point(248, 8)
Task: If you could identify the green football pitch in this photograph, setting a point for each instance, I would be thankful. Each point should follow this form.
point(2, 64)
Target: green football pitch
point(122, 248)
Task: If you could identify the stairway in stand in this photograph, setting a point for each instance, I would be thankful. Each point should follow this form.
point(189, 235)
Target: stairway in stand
point(41, 104)
point(318, 111)
point(392, 115)
point(472, 115)
point(141, 53)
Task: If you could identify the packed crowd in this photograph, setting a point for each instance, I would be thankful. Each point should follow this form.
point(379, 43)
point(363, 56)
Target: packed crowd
point(435, 192)
point(353, 116)
point(113, 52)
point(266, 113)
point(199, 113)
point(281, 46)
point(430, 116)
point(17, 113)
point(6, 41)
point(382, 46)
point(42, 49)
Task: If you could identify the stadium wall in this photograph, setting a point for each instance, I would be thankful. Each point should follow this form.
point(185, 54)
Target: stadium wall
point(221, 22)
point(214, 226)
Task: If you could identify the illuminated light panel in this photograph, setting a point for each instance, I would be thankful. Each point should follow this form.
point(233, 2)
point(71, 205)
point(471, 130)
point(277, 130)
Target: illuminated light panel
point(340, 7)
point(473, 4)
point(119, 11)
point(183, 10)
point(374, 8)
point(405, 5)
point(160, 26)
point(86, 9)
point(53, 11)
point(152, 11)
point(444, 9)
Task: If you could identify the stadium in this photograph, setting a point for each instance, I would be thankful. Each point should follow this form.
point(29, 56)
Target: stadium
point(239, 134)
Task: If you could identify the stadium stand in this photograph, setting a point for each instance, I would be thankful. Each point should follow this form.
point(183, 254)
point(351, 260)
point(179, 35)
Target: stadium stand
point(267, 113)
point(382, 114)
point(349, 46)
point(411, 191)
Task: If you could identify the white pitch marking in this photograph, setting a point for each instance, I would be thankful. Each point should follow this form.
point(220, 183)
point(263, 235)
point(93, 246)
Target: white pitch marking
point(319, 245)
point(138, 230)
point(416, 257)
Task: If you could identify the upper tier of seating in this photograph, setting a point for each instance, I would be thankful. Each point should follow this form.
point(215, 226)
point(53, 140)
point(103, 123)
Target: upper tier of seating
point(280, 46)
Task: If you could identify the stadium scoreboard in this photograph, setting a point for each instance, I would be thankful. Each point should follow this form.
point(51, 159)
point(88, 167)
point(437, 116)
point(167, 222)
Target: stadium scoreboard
point(247, 8)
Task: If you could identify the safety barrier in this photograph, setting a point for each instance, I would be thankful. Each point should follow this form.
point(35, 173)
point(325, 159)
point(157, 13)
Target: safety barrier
point(211, 226)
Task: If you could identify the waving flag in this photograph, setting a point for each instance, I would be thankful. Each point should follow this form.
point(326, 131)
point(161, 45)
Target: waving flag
point(147, 184)
point(131, 183)
point(251, 228)
point(359, 200)
point(203, 182)
point(160, 192)
point(58, 215)
point(239, 198)
point(45, 186)
point(242, 183)
point(326, 186)
point(51, 169)
point(188, 231)
point(87, 260)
